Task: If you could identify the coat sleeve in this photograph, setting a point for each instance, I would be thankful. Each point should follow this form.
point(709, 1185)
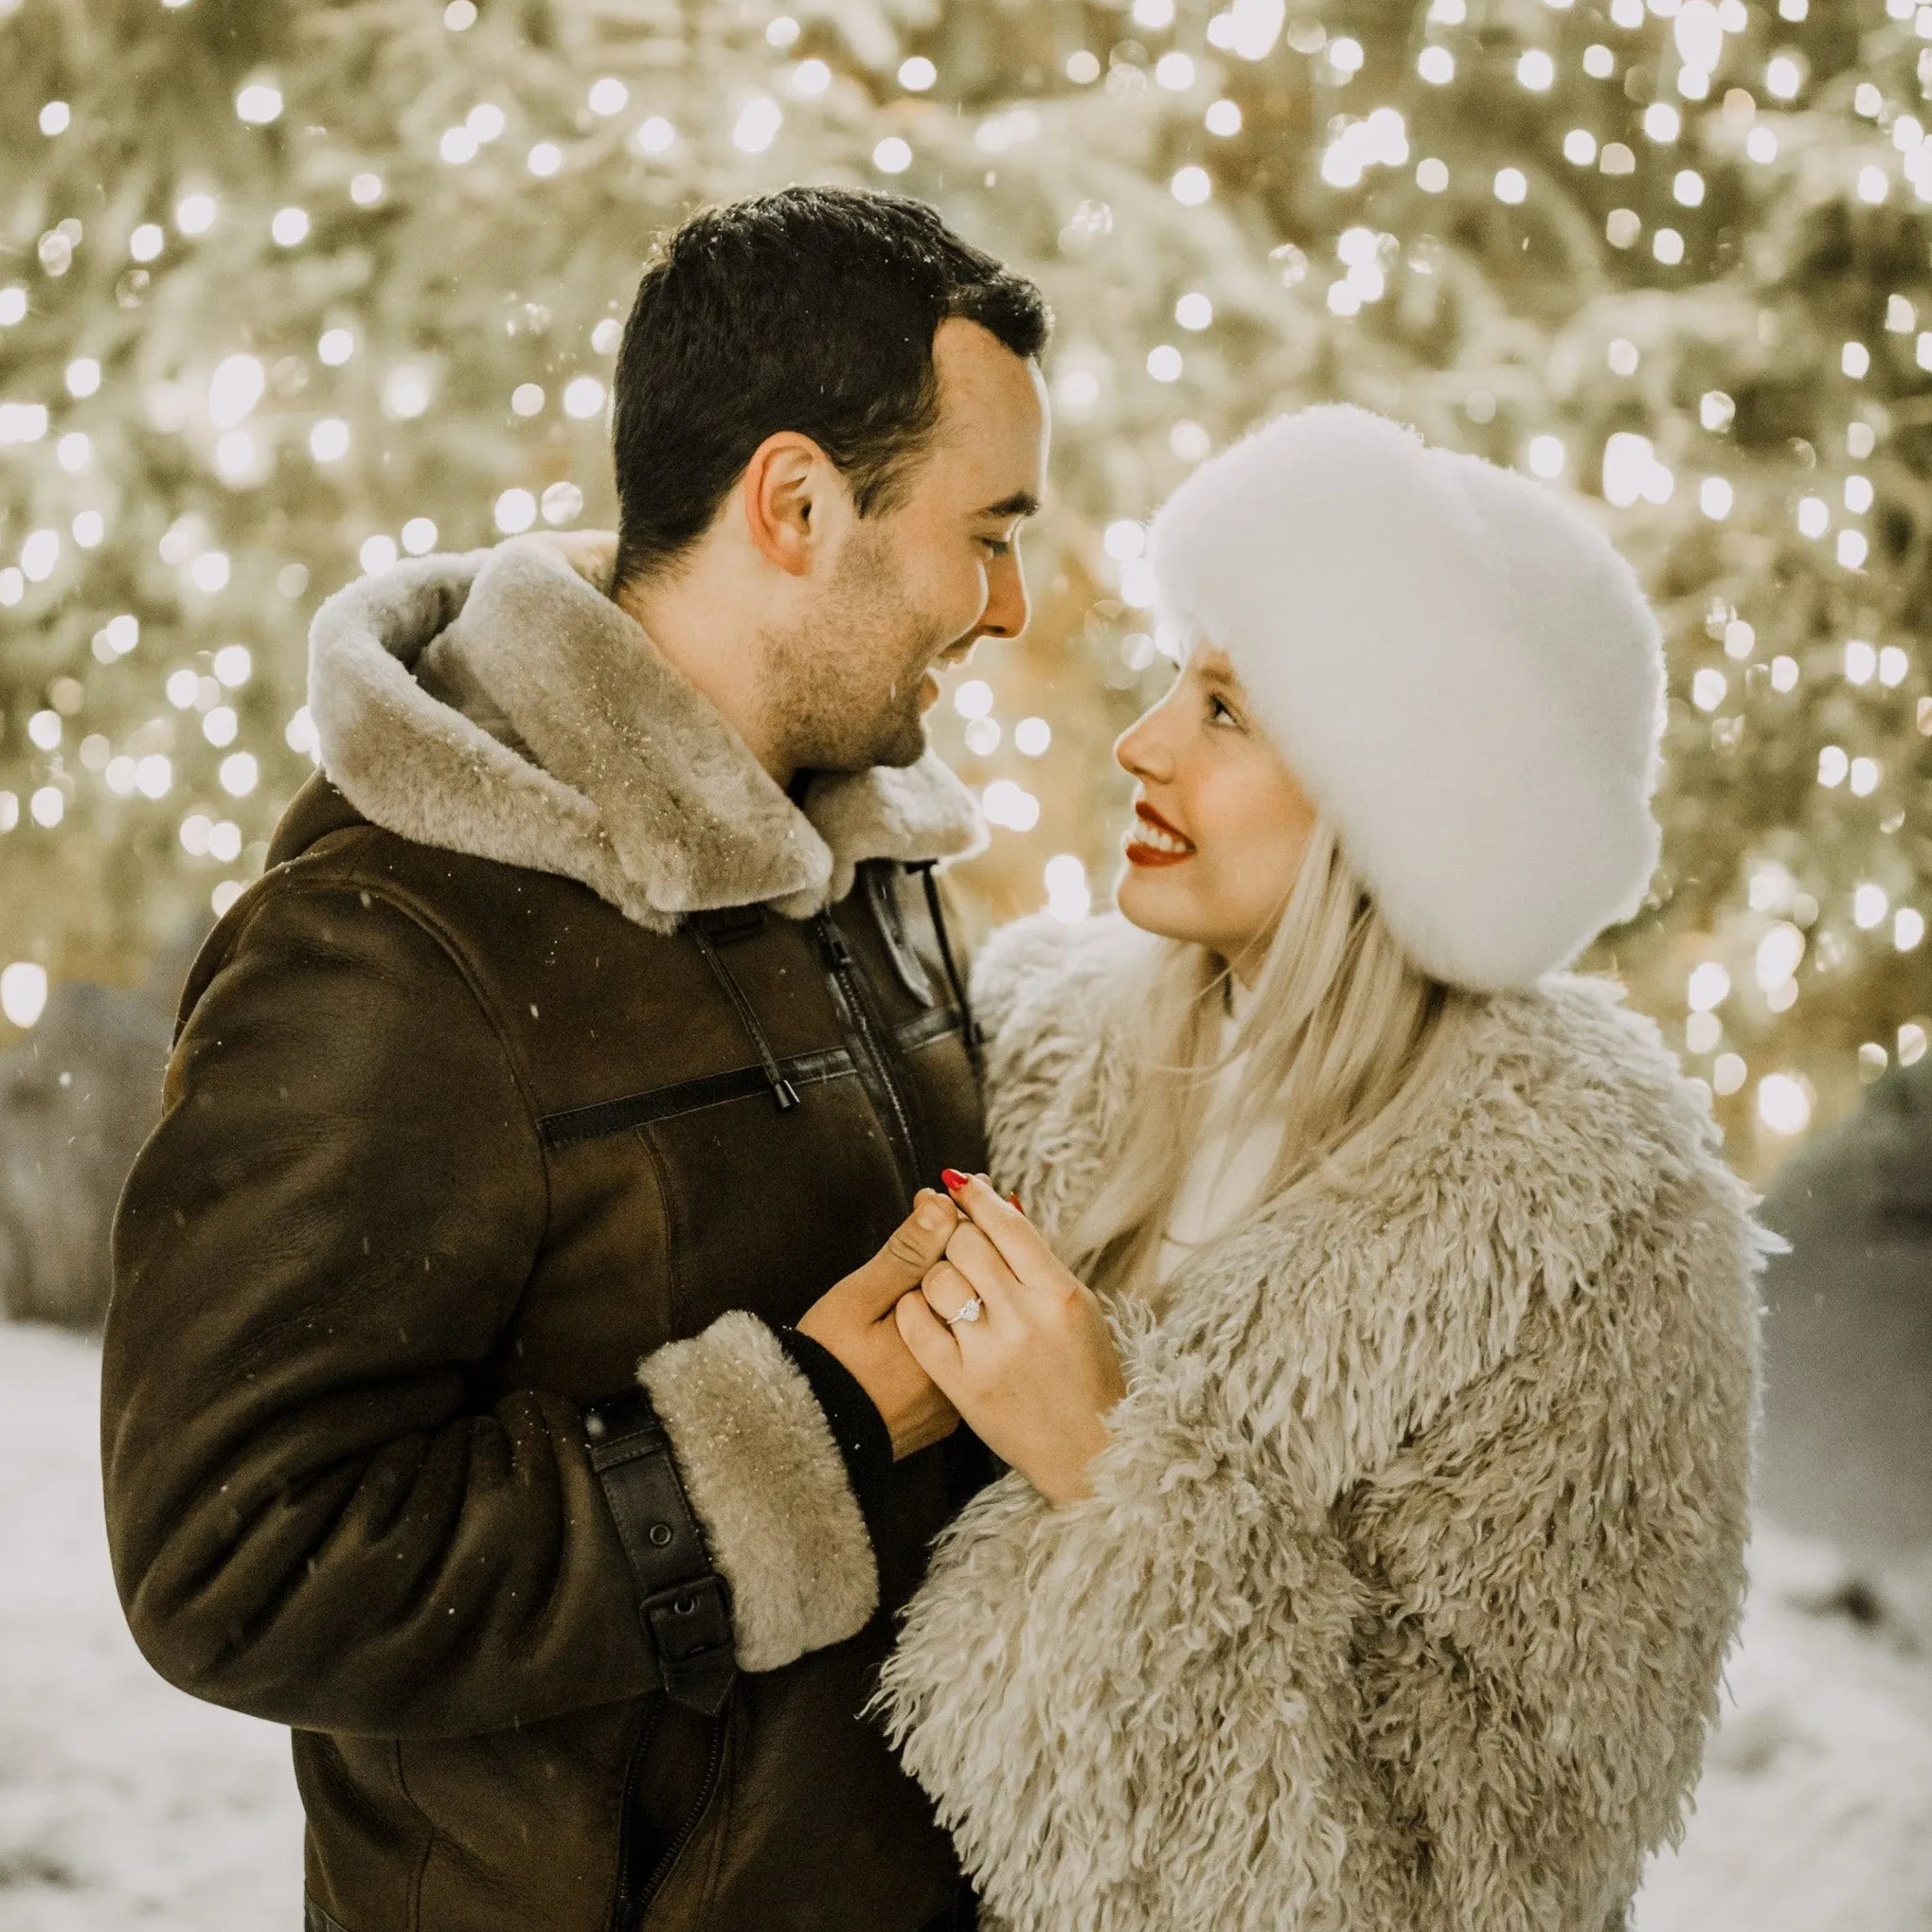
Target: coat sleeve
point(311, 1517)
point(310, 1520)
point(1556, 1568)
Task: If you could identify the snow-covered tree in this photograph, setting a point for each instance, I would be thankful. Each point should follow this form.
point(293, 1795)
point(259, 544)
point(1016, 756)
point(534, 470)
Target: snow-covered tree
point(286, 289)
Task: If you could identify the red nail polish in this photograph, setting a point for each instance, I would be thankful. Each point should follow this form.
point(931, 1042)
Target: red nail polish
point(954, 1179)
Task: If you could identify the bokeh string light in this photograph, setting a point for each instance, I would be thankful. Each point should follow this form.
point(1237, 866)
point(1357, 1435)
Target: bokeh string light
point(351, 299)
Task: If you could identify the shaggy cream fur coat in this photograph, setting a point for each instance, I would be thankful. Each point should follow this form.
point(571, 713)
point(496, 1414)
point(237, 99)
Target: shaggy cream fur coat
point(1401, 1595)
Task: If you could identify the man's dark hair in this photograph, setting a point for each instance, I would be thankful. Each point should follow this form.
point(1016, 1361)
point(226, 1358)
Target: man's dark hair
point(812, 309)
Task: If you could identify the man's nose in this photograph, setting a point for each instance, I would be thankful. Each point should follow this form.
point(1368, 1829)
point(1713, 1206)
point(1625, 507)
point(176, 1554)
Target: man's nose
point(1008, 608)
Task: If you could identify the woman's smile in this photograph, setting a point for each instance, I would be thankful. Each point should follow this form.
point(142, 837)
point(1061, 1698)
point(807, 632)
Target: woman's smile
point(1155, 842)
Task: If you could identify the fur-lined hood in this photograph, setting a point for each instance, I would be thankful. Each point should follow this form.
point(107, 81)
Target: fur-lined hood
point(1417, 1542)
point(500, 704)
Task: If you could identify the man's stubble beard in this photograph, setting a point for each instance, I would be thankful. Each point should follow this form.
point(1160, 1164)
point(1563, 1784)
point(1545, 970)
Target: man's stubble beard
point(845, 685)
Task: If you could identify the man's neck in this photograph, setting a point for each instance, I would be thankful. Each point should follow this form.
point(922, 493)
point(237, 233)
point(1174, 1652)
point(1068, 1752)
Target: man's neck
point(714, 647)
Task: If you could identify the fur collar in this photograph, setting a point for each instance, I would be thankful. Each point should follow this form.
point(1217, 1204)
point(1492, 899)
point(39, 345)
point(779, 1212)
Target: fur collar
point(500, 704)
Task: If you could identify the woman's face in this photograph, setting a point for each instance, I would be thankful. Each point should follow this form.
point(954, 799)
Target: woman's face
point(1220, 823)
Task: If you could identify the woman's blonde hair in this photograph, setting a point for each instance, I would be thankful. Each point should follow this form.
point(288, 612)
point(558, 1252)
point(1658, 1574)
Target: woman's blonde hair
point(1345, 1041)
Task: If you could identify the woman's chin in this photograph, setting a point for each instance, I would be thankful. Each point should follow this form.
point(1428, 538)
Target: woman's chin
point(1152, 899)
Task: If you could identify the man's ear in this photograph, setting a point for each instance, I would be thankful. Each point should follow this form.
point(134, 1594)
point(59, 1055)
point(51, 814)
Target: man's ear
point(782, 496)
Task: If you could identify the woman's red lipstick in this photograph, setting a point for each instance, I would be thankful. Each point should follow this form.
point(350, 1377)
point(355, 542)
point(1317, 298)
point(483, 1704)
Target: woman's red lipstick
point(1143, 852)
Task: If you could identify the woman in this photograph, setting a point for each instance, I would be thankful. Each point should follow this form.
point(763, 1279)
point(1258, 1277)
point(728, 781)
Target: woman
point(1374, 1357)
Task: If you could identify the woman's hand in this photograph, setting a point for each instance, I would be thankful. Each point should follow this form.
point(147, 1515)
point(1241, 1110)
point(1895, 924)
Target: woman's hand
point(1036, 1374)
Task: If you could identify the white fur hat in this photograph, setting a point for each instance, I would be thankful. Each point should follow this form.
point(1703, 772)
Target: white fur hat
point(1456, 664)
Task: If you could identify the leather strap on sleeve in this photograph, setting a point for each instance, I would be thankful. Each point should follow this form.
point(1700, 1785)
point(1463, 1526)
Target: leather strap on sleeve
point(683, 1604)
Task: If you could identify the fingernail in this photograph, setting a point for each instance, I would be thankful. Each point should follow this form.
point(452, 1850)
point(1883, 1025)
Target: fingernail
point(954, 1179)
point(1018, 1206)
point(931, 1216)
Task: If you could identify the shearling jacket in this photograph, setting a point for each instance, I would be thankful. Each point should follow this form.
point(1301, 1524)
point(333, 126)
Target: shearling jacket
point(1400, 1596)
point(556, 1044)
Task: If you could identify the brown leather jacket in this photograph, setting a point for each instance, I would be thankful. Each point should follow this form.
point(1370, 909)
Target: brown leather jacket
point(452, 1147)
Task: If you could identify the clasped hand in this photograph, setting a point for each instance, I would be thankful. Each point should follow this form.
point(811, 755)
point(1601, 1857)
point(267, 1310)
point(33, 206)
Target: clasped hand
point(1034, 1376)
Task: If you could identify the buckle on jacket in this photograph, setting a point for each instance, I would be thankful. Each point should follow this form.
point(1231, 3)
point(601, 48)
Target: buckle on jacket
point(691, 1625)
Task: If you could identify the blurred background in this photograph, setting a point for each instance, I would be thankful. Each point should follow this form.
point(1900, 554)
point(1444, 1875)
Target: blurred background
point(290, 289)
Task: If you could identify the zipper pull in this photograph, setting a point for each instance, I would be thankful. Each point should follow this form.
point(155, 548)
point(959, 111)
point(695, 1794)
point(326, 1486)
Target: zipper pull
point(835, 942)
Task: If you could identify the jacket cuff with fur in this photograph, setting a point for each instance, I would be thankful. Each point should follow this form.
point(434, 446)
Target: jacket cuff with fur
point(769, 1486)
point(858, 1428)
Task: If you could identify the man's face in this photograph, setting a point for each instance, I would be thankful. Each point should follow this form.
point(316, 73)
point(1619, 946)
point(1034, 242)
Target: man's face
point(913, 588)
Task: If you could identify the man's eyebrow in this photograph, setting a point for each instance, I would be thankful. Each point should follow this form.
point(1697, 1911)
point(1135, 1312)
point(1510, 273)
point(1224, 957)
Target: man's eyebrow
point(1021, 503)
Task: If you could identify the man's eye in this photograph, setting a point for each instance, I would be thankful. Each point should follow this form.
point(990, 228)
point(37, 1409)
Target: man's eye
point(996, 546)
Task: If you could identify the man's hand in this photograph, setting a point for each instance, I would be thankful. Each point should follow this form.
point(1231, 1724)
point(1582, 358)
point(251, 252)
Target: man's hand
point(853, 1320)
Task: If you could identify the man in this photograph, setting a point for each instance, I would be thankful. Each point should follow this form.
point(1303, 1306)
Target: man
point(501, 1385)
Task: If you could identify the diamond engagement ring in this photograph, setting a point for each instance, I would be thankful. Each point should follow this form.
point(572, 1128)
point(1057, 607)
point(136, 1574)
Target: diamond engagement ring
point(969, 1312)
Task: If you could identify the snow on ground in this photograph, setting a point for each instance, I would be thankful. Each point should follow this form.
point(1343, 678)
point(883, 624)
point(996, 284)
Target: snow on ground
point(125, 1805)
point(1815, 1810)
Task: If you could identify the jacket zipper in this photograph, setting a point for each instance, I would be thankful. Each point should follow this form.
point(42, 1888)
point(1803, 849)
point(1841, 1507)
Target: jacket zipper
point(621, 1914)
point(874, 1060)
point(661, 1870)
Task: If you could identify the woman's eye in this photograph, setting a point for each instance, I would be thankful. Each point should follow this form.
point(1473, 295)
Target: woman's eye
point(1218, 710)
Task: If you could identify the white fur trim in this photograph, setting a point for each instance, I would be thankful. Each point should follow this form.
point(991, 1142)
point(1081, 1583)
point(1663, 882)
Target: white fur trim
point(1418, 1540)
point(593, 757)
point(1458, 666)
point(769, 1487)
